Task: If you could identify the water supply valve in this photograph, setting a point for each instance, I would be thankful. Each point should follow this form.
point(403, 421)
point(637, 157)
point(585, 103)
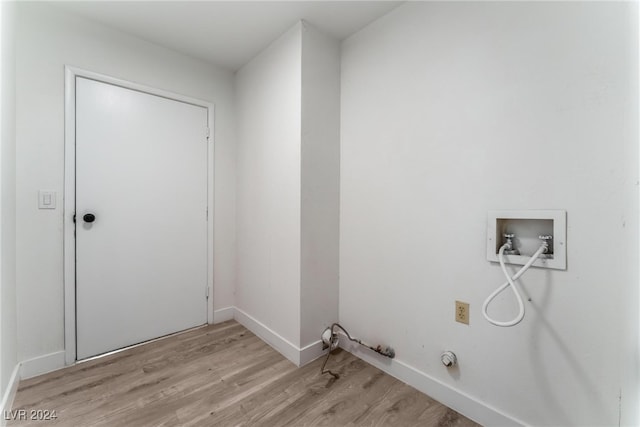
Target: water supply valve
point(547, 241)
point(329, 340)
point(523, 231)
point(511, 248)
point(449, 359)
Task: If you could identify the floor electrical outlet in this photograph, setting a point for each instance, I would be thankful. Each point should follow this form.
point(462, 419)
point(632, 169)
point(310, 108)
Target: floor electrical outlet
point(462, 312)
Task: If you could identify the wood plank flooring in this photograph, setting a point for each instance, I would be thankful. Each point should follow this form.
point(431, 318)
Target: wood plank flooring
point(223, 375)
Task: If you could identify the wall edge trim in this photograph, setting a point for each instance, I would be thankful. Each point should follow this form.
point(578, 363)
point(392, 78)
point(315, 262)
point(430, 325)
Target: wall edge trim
point(461, 402)
point(222, 314)
point(42, 364)
point(268, 335)
point(9, 394)
point(311, 352)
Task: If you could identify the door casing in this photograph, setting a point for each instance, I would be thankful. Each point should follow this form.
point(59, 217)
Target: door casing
point(69, 194)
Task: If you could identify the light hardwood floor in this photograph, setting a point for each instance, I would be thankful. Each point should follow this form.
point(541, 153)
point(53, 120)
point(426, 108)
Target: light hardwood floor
point(223, 375)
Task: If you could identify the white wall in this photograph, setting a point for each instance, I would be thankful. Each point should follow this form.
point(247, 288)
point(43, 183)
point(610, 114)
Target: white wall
point(453, 109)
point(47, 40)
point(8, 322)
point(288, 191)
point(320, 183)
point(268, 101)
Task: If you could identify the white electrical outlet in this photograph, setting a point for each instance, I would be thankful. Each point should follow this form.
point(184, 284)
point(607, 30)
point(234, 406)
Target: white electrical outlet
point(462, 312)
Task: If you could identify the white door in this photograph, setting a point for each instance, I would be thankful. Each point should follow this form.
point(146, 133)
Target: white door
point(141, 260)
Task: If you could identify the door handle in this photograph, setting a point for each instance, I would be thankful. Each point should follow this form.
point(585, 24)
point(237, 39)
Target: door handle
point(89, 217)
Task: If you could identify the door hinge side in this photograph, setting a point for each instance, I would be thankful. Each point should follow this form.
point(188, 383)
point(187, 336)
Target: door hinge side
point(207, 133)
point(207, 292)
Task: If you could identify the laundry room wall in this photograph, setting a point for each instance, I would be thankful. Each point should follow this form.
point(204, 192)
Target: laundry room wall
point(452, 109)
point(268, 90)
point(288, 191)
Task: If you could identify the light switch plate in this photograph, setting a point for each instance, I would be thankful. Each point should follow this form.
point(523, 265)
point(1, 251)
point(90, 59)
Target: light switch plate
point(46, 199)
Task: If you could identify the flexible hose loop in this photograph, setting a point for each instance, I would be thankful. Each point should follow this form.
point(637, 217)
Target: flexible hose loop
point(510, 283)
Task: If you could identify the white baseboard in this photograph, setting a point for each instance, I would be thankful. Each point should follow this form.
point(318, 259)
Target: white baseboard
point(9, 394)
point(311, 352)
point(455, 399)
point(275, 340)
point(222, 315)
point(42, 364)
point(443, 393)
point(299, 356)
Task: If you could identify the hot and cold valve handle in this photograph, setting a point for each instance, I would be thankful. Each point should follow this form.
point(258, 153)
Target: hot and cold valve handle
point(88, 217)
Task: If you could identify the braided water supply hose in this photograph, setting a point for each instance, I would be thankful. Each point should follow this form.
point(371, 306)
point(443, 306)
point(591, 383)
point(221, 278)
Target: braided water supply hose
point(333, 343)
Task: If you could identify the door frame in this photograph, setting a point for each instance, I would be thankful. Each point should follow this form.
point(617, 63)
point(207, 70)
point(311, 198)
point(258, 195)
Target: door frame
point(69, 257)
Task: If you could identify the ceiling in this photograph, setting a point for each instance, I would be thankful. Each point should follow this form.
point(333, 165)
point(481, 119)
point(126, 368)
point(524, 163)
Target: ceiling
point(227, 33)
